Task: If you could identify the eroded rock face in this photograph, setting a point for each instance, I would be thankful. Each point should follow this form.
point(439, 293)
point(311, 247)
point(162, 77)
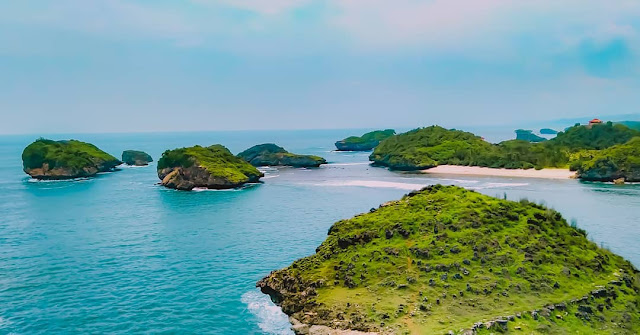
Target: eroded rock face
point(186, 179)
point(136, 158)
point(269, 154)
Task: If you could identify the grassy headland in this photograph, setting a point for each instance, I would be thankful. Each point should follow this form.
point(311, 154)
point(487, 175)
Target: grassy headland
point(446, 258)
point(365, 142)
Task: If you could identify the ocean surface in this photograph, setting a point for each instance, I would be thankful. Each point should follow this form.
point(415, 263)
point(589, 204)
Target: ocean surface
point(119, 254)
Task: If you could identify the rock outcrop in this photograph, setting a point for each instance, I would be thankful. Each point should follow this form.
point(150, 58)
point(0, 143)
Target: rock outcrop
point(620, 162)
point(529, 136)
point(213, 167)
point(50, 160)
point(365, 142)
point(136, 158)
point(269, 154)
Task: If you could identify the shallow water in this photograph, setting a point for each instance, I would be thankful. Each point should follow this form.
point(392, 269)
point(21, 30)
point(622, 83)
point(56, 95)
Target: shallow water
point(119, 254)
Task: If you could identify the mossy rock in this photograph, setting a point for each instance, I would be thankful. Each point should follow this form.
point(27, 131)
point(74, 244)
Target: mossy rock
point(269, 154)
point(136, 158)
point(213, 167)
point(366, 142)
point(50, 160)
point(445, 258)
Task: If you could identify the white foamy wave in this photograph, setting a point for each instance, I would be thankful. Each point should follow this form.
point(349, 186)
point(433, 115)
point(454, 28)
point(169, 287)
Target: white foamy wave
point(270, 317)
point(461, 181)
point(498, 185)
point(33, 180)
point(271, 176)
point(125, 166)
point(348, 164)
point(375, 184)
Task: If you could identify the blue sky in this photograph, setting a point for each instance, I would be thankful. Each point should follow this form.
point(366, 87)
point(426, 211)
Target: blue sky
point(159, 65)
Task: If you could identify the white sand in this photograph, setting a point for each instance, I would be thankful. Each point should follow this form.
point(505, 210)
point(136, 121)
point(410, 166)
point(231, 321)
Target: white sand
point(484, 171)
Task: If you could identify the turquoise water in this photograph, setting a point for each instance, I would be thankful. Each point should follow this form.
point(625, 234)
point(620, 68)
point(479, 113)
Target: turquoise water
point(118, 254)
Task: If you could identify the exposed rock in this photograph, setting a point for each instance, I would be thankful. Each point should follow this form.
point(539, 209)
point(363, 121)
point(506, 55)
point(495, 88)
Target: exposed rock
point(269, 154)
point(212, 167)
point(619, 181)
point(136, 158)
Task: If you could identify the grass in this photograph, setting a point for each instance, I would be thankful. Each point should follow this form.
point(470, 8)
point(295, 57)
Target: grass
point(216, 159)
point(71, 154)
point(446, 258)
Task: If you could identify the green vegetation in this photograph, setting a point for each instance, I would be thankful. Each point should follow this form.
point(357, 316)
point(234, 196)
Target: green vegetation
point(365, 142)
point(269, 154)
point(631, 124)
point(432, 146)
point(619, 161)
point(65, 159)
point(446, 258)
point(217, 160)
point(548, 131)
point(135, 157)
point(529, 136)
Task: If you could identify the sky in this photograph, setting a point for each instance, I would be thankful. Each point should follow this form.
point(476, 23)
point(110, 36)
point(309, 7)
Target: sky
point(158, 65)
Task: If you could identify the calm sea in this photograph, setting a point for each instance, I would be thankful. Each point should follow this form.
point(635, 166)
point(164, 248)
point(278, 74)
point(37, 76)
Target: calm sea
point(118, 254)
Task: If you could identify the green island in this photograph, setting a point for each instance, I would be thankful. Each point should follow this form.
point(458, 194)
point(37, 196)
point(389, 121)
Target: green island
point(528, 135)
point(445, 260)
point(548, 131)
point(365, 142)
point(136, 158)
point(50, 160)
point(428, 147)
point(213, 167)
point(269, 154)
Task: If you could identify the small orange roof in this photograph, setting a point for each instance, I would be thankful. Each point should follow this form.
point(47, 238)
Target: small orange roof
point(595, 121)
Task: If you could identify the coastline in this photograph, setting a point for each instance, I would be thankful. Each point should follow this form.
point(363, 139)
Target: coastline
point(493, 172)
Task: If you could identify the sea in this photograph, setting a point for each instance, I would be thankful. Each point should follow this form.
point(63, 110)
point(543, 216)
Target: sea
point(119, 254)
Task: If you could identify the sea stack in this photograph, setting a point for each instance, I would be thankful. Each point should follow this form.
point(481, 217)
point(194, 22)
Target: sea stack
point(213, 167)
point(50, 160)
point(136, 158)
point(269, 154)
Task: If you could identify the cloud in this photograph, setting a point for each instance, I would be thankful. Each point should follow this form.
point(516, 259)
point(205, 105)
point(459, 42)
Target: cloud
point(265, 7)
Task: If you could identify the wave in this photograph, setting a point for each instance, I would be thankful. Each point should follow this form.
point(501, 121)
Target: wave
point(348, 164)
point(375, 184)
point(270, 317)
point(47, 181)
point(270, 176)
point(497, 185)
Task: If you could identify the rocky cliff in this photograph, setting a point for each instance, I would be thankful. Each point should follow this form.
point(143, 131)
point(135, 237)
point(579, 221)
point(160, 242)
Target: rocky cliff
point(213, 167)
point(136, 158)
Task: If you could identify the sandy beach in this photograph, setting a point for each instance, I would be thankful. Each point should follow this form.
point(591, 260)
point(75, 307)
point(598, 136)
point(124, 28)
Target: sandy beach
point(484, 171)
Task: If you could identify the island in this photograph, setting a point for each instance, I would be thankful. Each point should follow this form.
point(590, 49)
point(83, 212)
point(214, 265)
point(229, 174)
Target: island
point(212, 167)
point(528, 135)
point(425, 148)
point(68, 159)
point(136, 158)
point(445, 260)
point(365, 142)
point(269, 154)
point(548, 131)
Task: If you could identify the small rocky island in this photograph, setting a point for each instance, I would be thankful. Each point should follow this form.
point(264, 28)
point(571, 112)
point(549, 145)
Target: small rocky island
point(528, 135)
point(51, 160)
point(548, 131)
point(445, 260)
point(213, 167)
point(269, 154)
point(136, 158)
point(365, 142)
